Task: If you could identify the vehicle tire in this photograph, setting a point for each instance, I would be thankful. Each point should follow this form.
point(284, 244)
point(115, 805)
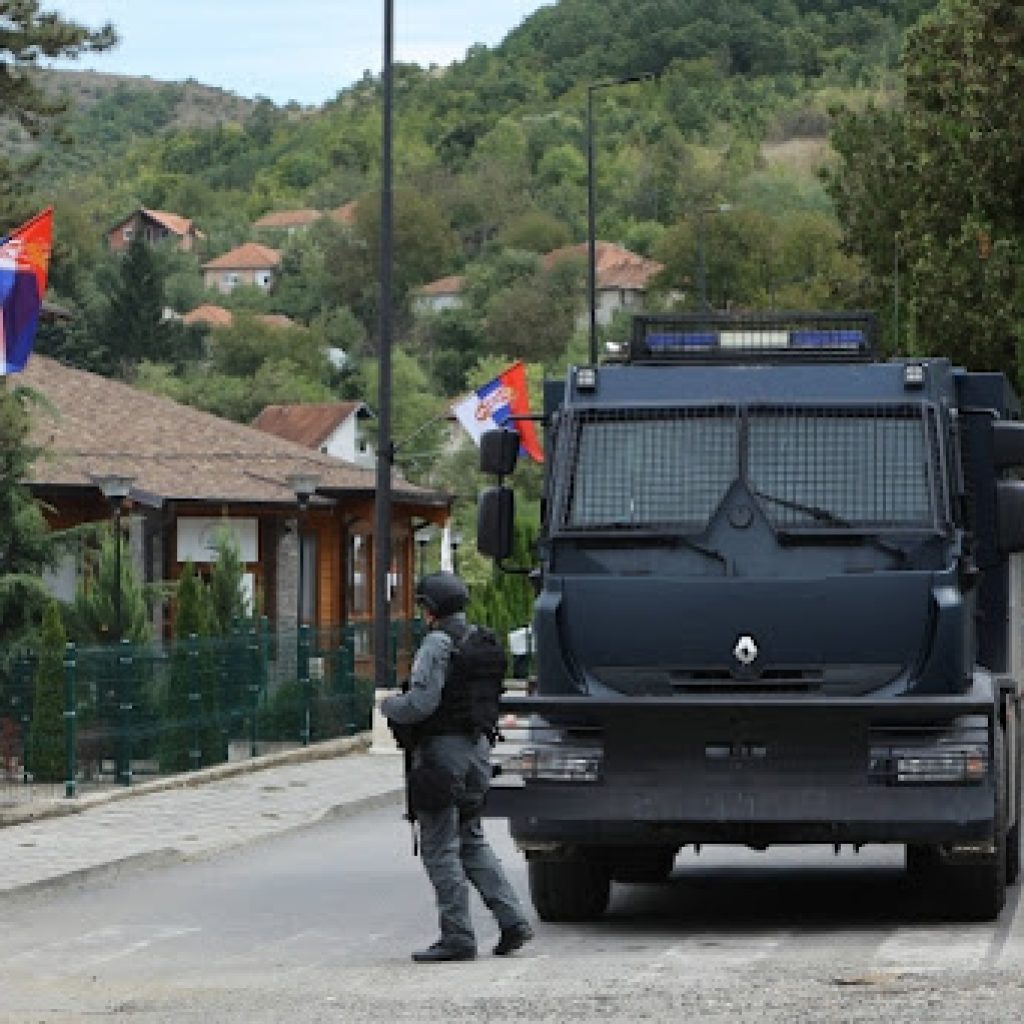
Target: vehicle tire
point(576, 888)
point(1013, 853)
point(977, 891)
point(645, 865)
point(922, 860)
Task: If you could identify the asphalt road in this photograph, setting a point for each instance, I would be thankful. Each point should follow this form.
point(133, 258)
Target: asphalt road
point(317, 925)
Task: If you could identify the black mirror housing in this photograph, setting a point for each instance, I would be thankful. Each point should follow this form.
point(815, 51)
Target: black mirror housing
point(499, 450)
point(495, 519)
point(1010, 515)
point(1007, 443)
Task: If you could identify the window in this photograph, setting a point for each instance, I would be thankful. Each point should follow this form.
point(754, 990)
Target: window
point(128, 233)
point(808, 468)
point(359, 571)
point(307, 599)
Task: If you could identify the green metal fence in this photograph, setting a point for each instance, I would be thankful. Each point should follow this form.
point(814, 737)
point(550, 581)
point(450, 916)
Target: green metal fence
point(139, 711)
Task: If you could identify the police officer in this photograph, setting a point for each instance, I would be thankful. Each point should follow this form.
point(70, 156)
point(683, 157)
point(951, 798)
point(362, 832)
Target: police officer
point(453, 847)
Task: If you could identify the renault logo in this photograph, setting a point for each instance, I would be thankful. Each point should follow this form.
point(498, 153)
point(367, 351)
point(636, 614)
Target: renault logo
point(745, 651)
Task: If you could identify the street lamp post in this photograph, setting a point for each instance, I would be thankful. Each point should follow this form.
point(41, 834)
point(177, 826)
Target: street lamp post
point(116, 487)
point(592, 206)
point(702, 270)
point(303, 484)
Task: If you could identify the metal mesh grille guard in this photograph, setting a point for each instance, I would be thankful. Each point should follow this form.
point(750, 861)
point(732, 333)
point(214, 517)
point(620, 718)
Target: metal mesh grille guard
point(808, 468)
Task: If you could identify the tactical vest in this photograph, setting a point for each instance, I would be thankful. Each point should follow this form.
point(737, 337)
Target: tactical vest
point(472, 687)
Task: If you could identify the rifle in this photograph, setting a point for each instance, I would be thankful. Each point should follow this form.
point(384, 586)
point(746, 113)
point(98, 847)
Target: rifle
point(410, 814)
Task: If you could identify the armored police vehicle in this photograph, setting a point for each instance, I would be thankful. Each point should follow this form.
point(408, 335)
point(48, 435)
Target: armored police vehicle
point(778, 601)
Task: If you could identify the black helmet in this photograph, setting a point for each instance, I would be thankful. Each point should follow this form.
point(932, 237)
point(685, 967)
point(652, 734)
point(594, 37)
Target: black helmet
point(442, 593)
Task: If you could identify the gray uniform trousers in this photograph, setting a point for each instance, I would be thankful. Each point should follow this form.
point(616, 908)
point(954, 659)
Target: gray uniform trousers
point(453, 846)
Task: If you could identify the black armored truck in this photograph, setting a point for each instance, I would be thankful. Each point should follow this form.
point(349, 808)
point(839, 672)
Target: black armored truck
point(778, 601)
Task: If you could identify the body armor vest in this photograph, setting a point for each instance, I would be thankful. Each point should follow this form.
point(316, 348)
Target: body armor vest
point(472, 687)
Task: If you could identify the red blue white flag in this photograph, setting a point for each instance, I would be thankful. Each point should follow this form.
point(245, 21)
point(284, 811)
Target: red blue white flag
point(502, 402)
point(24, 262)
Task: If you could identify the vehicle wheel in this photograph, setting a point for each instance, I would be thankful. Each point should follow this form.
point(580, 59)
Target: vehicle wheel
point(977, 891)
point(922, 860)
point(576, 888)
point(1013, 853)
point(641, 864)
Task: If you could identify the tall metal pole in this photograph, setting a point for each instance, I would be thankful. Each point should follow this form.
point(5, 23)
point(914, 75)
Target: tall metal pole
point(385, 452)
point(896, 292)
point(702, 270)
point(591, 230)
point(117, 571)
point(592, 205)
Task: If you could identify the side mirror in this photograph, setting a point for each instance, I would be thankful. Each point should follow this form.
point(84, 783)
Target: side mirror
point(499, 450)
point(494, 522)
point(1007, 443)
point(1010, 515)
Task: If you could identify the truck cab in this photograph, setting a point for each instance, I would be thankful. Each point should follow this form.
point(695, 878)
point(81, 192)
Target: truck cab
point(778, 601)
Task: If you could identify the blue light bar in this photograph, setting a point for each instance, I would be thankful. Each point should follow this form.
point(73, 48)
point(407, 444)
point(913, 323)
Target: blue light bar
point(846, 340)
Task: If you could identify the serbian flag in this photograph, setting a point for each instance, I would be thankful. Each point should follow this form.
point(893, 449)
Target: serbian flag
point(24, 261)
point(493, 406)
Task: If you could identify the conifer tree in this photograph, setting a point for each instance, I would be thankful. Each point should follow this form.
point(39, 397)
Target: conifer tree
point(26, 544)
point(47, 760)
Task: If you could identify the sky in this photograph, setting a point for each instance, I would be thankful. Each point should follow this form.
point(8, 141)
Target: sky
point(302, 50)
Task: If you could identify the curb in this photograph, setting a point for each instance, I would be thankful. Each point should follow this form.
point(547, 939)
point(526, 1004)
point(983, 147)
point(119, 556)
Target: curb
point(360, 743)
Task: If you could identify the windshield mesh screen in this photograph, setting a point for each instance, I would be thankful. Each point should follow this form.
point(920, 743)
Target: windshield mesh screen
point(807, 468)
point(651, 470)
point(822, 467)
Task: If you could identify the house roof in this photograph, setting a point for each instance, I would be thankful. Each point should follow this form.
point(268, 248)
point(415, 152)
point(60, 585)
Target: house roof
point(308, 424)
point(450, 285)
point(173, 222)
point(248, 256)
point(218, 316)
point(288, 219)
point(174, 452)
point(616, 266)
point(345, 214)
point(208, 313)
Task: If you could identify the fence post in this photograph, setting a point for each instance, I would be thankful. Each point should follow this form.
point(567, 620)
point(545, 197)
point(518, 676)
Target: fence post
point(253, 651)
point(20, 699)
point(347, 683)
point(123, 662)
point(195, 754)
point(304, 684)
point(70, 714)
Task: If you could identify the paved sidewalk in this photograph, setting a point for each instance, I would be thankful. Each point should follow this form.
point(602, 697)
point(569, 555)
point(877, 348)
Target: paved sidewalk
point(195, 814)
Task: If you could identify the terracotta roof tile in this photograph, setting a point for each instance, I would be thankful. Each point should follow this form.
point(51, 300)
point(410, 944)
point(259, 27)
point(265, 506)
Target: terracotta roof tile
point(207, 313)
point(248, 256)
point(288, 219)
point(174, 222)
point(308, 424)
point(345, 214)
point(616, 266)
point(175, 452)
point(451, 285)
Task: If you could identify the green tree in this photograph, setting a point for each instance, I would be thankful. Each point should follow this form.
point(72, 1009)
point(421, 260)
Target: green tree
point(46, 735)
point(28, 34)
point(184, 723)
point(134, 326)
point(92, 617)
point(26, 544)
point(227, 602)
point(939, 185)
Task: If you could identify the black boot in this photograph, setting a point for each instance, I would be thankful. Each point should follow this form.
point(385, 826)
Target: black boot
point(440, 953)
point(512, 938)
